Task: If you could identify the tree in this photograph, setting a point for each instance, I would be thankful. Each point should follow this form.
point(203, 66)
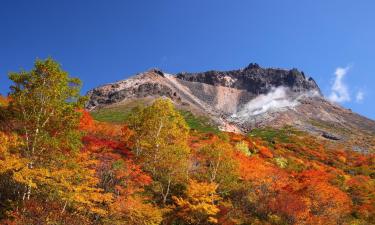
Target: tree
point(45, 104)
point(281, 162)
point(161, 144)
point(198, 207)
point(243, 147)
point(127, 181)
point(362, 190)
point(5, 114)
point(119, 174)
point(8, 162)
point(329, 205)
point(217, 164)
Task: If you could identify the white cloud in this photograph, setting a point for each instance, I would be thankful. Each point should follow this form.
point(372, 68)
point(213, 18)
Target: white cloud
point(360, 96)
point(339, 90)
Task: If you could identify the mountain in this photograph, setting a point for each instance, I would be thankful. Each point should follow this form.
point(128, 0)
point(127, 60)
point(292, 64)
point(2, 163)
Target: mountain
point(242, 100)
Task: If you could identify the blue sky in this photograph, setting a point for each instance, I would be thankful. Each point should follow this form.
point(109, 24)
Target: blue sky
point(104, 41)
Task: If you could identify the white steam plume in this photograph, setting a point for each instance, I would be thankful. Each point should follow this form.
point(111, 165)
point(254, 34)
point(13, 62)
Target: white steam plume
point(277, 99)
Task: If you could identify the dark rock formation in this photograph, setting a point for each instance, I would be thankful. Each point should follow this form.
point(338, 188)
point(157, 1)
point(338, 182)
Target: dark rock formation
point(330, 136)
point(254, 79)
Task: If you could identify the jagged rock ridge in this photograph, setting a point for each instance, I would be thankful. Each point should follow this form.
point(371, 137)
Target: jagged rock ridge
point(254, 79)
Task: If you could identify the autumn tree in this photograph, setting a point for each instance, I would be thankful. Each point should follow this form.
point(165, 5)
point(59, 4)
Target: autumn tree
point(45, 103)
point(199, 204)
point(5, 114)
point(8, 162)
point(216, 163)
point(243, 148)
point(362, 190)
point(119, 174)
point(329, 205)
point(161, 144)
point(127, 181)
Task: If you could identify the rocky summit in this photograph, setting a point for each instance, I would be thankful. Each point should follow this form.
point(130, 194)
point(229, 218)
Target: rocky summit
point(244, 99)
point(254, 79)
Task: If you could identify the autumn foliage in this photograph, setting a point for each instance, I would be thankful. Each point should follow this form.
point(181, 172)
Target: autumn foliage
point(60, 166)
point(198, 206)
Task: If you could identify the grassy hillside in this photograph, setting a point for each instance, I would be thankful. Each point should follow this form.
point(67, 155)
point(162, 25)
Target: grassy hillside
point(121, 114)
point(111, 115)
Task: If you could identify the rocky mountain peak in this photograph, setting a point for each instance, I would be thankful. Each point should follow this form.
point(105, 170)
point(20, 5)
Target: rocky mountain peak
point(255, 79)
point(252, 66)
point(240, 100)
point(156, 71)
point(205, 88)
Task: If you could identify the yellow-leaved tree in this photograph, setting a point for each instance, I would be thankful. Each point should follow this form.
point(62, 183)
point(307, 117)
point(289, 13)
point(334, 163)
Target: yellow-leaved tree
point(216, 163)
point(198, 206)
point(47, 163)
point(161, 145)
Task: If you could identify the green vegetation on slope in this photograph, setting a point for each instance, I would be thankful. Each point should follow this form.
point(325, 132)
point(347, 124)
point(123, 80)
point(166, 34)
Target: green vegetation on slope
point(199, 123)
point(117, 114)
point(112, 115)
point(121, 115)
point(271, 135)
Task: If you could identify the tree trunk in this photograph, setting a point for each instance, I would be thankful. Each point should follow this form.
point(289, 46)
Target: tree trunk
point(63, 209)
point(167, 191)
point(29, 186)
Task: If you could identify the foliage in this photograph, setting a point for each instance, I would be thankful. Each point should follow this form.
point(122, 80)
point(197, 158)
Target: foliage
point(199, 123)
point(44, 102)
point(121, 114)
point(198, 207)
point(111, 115)
point(242, 146)
point(216, 163)
point(59, 165)
point(3, 101)
point(161, 144)
point(272, 136)
point(47, 163)
point(119, 174)
point(281, 162)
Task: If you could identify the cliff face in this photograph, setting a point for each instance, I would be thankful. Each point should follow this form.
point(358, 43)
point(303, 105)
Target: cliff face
point(240, 100)
point(254, 79)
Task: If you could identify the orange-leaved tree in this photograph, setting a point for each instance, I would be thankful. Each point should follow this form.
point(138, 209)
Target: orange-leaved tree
point(119, 174)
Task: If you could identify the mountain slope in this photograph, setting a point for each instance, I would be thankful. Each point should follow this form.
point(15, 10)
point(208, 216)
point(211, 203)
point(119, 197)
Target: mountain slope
point(244, 99)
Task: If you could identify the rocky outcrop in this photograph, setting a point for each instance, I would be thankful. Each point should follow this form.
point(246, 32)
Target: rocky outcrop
point(254, 79)
point(330, 136)
point(143, 85)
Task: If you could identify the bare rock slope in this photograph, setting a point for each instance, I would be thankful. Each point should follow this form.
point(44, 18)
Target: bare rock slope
point(244, 99)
